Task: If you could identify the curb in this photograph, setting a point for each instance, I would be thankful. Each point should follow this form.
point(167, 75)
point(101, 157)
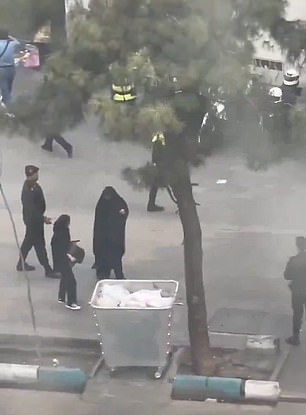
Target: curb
point(174, 364)
point(200, 388)
point(28, 343)
point(59, 379)
point(284, 354)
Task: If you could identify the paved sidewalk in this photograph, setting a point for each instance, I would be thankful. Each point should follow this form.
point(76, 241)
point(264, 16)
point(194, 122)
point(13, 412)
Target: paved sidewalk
point(253, 252)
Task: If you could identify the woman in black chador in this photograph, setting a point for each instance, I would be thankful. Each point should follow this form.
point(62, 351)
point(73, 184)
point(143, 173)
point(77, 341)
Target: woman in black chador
point(109, 233)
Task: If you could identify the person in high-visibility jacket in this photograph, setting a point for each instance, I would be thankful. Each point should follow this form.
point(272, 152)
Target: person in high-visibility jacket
point(123, 92)
point(158, 159)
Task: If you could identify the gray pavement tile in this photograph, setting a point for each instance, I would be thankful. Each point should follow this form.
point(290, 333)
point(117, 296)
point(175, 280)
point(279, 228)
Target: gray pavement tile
point(242, 321)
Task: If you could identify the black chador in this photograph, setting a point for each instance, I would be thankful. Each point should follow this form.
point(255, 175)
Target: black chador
point(109, 233)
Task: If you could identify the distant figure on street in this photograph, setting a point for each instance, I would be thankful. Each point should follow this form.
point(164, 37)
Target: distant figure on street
point(63, 262)
point(109, 233)
point(48, 144)
point(296, 273)
point(158, 152)
point(33, 209)
point(50, 121)
point(123, 92)
point(290, 87)
point(8, 48)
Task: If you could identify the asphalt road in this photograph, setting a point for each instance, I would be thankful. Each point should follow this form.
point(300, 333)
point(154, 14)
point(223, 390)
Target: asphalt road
point(16, 402)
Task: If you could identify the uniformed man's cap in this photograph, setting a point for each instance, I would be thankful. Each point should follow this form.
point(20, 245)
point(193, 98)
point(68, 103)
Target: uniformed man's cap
point(30, 170)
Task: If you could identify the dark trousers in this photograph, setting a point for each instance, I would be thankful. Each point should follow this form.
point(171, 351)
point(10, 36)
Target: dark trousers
point(67, 287)
point(104, 269)
point(152, 195)
point(48, 144)
point(35, 237)
point(7, 76)
point(298, 305)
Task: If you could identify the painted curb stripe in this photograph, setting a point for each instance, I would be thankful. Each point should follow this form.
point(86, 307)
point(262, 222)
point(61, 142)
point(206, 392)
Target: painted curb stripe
point(46, 378)
point(200, 388)
point(18, 373)
point(262, 390)
point(61, 378)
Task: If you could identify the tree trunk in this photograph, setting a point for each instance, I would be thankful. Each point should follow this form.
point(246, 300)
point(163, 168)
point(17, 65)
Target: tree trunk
point(193, 255)
point(58, 25)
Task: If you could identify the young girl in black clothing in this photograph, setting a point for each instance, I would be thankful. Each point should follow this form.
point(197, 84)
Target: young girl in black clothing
point(62, 262)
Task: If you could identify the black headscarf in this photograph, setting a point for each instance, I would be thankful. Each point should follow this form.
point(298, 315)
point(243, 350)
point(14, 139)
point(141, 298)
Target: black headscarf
point(60, 243)
point(61, 223)
point(109, 226)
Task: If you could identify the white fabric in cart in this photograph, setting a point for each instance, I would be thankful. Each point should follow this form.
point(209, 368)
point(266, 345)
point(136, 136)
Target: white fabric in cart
point(115, 295)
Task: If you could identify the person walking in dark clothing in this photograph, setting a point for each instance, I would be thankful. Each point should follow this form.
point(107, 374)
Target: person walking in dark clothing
point(109, 233)
point(48, 144)
point(296, 273)
point(63, 262)
point(158, 151)
point(34, 206)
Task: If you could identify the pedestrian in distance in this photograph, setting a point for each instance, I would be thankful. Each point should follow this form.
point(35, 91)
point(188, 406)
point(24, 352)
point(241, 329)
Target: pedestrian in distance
point(123, 92)
point(58, 138)
point(33, 210)
point(158, 161)
point(8, 49)
point(295, 272)
point(63, 262)
point(109, 233)
point(51, 123)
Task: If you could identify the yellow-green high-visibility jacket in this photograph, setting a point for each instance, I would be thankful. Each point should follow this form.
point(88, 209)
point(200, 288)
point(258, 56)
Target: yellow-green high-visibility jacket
point(123, 93)
point(159, 137)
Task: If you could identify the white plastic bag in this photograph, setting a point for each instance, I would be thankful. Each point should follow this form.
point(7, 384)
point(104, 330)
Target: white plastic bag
point(106, 302)
point(160, 302)
point(133, 303)
point(146, 298)
point(117, 292)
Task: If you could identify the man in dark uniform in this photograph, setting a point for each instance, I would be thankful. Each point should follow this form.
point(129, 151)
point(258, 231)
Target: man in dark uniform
point(158, 151)
point(296, 273)
point(290, 87)
point(276, 115)
point(33, 209)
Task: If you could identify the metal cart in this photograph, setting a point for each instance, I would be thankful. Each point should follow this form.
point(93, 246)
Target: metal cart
point(135, 336)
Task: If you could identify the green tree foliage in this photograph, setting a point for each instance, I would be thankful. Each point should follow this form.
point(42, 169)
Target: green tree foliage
point(49, 11)
point(24, 17)
point(10, 17)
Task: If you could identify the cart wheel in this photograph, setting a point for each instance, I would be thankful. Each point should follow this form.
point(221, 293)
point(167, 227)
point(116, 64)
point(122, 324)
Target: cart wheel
point(112, 371)
point(158, 373)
